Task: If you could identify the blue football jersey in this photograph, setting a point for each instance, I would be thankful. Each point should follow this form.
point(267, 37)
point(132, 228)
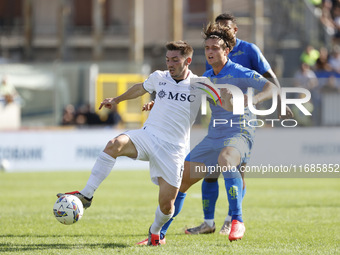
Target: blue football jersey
point(248, 55)
point(243, 78)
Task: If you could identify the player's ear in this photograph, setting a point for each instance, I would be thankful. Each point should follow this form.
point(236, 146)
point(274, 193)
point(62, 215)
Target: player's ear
point(226, 51)
point(235, 29)
point(188, 60)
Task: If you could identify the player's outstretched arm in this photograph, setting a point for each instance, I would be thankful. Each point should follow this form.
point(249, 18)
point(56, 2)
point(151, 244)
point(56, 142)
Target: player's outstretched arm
point(135, 91)
point(227, 99)
point(265, 94)
point(270, 75)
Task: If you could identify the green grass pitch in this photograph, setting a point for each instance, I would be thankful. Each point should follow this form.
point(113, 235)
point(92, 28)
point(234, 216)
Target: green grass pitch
point(282, 216)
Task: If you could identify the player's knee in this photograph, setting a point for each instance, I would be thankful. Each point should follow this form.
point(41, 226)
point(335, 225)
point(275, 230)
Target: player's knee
point(185, 185)
point(226, 160)
point(166, 208)
point(114, 147)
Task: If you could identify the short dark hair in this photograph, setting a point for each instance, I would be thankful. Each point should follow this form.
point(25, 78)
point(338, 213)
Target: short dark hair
point(185, 49)
point(215, 30)
point(226, 16)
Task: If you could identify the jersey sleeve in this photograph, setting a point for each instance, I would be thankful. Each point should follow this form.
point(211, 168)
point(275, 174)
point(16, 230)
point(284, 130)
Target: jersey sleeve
point(258, 61)
point(255, 80)
point(149, 83)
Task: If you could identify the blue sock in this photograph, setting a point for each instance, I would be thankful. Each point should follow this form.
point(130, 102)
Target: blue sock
point(234, 188)
point(178, 207)
point(243, 194)
point(209, 198)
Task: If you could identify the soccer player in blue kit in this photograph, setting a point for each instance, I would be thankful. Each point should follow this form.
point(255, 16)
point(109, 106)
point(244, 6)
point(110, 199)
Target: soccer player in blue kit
point(224, 145)
point(248, 55)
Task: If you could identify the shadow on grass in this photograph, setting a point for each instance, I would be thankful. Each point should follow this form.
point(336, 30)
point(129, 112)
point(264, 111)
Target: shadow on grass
point(5, 247)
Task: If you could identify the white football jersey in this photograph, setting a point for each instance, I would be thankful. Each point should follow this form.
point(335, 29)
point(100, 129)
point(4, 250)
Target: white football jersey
point(175, 109)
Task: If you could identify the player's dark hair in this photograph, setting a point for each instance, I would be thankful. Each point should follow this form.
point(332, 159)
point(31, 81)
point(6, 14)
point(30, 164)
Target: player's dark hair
point(225, 17)
point(216, 30)
point(185, 49)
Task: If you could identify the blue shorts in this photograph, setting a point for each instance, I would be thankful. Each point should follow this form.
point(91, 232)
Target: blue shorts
point(208, 150)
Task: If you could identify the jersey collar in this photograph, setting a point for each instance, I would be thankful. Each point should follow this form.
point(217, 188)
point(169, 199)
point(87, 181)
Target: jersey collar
point(224, 70)
point(238, 41)
point(189, 75)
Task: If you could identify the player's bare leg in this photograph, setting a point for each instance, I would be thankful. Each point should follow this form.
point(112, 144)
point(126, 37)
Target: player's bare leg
point(121, 146)
point(190, 175)
point(118, 146)
point(167, 196)
point(164, 212)
point(187, 181)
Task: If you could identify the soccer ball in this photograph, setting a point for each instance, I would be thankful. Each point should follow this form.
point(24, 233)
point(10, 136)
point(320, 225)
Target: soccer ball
point(68, 209)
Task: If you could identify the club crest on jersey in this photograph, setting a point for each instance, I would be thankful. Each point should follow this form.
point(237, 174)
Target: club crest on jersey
point(257, 77)
point(229, 76)
point(161, 94)
point(238, 53)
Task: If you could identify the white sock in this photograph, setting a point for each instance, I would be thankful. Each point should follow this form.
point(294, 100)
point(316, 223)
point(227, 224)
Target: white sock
point(210, 222)
point(160, 220)
point(228, 218)
point(100, 171)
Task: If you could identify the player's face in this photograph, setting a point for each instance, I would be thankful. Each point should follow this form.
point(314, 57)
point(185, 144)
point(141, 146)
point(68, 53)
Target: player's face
point(177, 64)
point(214, 52)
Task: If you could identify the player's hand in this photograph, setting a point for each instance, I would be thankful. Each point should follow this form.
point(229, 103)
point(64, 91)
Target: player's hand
point(226, 94)
point(108, 103)
point(227, 99)
point(289, 114)
point(148, 106)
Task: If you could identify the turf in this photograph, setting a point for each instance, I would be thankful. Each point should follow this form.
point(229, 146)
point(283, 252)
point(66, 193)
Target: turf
point(282, 216)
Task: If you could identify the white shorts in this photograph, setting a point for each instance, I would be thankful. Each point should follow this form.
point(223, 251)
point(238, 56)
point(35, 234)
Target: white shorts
point(166, 159)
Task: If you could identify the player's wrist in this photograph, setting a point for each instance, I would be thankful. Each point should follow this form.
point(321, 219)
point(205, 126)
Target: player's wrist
point(117, 100)
point(255, 100)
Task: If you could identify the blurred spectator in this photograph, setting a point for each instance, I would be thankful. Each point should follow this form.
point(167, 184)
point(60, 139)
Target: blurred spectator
point(8, 93)
point(330, 18)
point(305, 77)
point(84, 116)
point(322, 63)
point(327, 18)
point(68, 115)
point(309, 55)
point(336, 19)
point(334, 60)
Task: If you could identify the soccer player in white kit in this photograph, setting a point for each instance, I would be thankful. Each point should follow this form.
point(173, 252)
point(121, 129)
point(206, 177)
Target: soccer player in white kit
point(163, 138)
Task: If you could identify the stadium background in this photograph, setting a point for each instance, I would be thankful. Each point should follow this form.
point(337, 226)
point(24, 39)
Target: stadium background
point(64, 56)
